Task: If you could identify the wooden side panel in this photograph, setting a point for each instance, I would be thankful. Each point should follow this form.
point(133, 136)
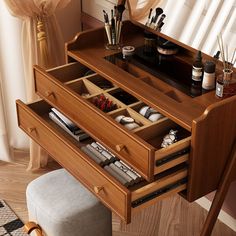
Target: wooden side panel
point(213, 135)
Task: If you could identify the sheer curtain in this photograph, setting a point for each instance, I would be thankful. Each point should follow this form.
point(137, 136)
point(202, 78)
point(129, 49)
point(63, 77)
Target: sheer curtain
point(41, 43)
point(196, 23)
point(11, 84)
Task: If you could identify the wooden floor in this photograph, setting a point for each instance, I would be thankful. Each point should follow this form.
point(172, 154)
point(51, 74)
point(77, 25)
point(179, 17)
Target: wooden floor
point(171, 217)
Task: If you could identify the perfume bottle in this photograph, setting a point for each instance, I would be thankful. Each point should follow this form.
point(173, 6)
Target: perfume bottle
point(226, 84)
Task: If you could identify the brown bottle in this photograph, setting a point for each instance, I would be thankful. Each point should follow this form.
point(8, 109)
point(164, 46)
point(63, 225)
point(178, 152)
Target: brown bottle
point(197, 70)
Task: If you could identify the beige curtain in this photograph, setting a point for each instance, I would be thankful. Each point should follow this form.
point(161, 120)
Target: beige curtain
point(42, 43)
point(5, 149)
point(139, 9)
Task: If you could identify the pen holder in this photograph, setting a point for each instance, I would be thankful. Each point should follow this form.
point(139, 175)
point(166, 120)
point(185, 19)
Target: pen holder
point(113, 36)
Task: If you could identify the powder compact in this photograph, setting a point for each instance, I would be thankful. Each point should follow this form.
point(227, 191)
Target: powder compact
point(165, 47)
point(150, 113)
point(127, 121)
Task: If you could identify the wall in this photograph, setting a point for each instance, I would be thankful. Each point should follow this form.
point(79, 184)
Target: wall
point(229, 204)
point(69, 19)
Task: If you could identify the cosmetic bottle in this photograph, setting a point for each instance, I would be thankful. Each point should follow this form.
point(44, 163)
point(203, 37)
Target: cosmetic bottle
point(197, 70)
point(226, 84)
point(149, 44)
point(208, 81)
point(127, 54)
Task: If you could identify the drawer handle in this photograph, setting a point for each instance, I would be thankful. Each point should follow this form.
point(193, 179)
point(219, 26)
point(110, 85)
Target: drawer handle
point(31, 129)
point(120, 147)
point(98, 189)
point(50, 94)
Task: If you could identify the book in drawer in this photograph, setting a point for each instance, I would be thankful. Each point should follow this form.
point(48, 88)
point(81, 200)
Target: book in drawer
point(34, 120)
point(77, 93)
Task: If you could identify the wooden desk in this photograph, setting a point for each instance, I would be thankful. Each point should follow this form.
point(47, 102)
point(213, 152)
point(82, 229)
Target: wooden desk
point(207, 125)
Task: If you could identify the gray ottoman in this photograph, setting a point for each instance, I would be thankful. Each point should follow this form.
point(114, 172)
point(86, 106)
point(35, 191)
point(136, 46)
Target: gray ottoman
point(63, 207)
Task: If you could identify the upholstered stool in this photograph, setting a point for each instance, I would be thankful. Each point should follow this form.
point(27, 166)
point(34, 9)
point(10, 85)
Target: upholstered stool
point(63, 207)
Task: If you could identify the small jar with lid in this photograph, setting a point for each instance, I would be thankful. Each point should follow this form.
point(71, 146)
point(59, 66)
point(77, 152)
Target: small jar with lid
point(208, 82)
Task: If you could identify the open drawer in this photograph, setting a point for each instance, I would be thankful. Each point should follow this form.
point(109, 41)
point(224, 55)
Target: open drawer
point(77, 95)
point(34, 120)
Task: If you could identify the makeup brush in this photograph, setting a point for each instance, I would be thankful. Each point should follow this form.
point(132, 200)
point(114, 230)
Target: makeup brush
point(159, 11)
point(107, 27)
point(113, 28)
point(120, 9)
point(149, 17)
point(159, 23)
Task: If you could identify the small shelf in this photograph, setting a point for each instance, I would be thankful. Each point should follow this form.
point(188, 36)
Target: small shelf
point(157, 67)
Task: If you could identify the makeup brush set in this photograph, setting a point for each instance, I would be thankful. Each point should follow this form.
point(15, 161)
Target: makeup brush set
point(113, 26)
point(117, 168)
point(155, 21)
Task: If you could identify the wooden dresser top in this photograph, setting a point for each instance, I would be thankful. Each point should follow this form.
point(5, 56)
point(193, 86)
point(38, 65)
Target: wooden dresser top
point(89, 48)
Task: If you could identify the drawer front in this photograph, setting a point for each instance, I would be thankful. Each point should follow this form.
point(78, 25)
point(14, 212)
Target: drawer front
point(109, 191)
point(173, 155)
point(104, 128)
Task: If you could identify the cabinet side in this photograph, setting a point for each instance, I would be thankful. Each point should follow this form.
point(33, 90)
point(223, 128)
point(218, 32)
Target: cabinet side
point(213, 135)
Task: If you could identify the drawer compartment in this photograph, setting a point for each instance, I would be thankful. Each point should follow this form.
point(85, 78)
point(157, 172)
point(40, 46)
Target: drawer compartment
point(95, 122)
point(138, 147)
point(34, 120)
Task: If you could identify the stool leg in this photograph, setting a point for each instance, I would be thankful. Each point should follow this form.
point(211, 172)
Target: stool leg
point(220, 195)
point(31, 226)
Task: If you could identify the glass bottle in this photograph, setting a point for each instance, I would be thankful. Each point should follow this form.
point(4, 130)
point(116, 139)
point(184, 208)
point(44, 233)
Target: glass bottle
point(226, 84)
point(197, 70)
point(208, 81)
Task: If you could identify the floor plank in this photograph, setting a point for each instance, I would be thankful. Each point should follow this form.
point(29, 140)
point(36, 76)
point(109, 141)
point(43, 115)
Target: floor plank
point(172, 216)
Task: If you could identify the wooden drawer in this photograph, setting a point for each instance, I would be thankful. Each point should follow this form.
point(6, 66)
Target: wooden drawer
point(63, 88)
point(34, 120)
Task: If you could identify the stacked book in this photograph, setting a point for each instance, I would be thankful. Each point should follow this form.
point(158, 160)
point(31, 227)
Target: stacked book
point(67, 125)
point(118, 169)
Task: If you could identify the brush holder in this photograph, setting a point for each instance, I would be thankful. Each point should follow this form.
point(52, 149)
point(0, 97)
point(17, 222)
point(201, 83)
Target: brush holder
point(113, 37)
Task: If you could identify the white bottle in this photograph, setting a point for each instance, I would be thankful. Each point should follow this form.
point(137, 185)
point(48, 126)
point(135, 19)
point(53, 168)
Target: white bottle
point(208, 81)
